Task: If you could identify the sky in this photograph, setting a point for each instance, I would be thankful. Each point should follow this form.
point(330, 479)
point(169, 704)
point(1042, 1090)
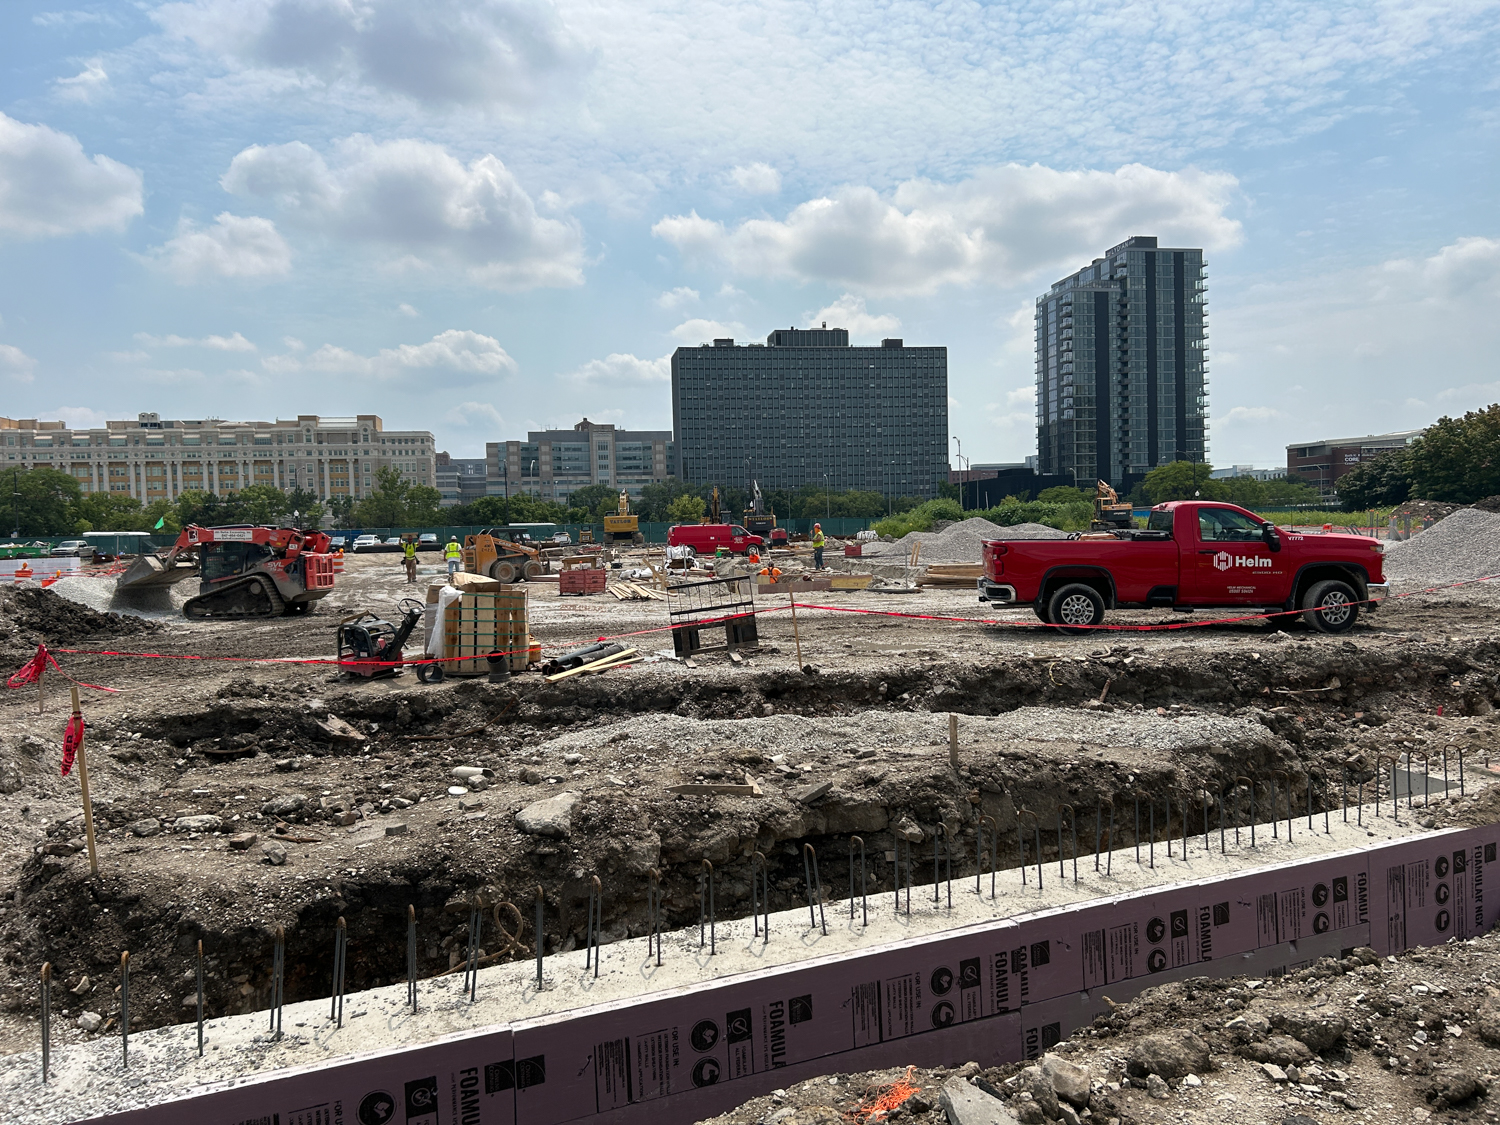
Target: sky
point(483, 217)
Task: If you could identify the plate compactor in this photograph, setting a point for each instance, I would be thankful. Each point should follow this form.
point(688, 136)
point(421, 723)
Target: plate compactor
point(370, 646)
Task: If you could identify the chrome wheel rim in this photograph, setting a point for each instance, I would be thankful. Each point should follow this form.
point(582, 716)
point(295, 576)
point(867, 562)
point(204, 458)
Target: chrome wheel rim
point(1076, 609)
point(1335, 608)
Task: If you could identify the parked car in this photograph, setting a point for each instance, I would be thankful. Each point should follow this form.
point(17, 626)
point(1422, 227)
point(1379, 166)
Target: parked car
point(392, 544)
point(366, 543)
point(71, 547)
point(563, 539)
point(337, 543)
point(427, 541)
point(706, 538)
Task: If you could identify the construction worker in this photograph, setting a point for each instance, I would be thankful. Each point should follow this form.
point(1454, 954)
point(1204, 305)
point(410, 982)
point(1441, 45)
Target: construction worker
point(817, 542)
point(454, 554)
point(409, 557)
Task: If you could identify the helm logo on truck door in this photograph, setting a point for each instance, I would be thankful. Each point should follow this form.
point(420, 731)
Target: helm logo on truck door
point(1224, 560)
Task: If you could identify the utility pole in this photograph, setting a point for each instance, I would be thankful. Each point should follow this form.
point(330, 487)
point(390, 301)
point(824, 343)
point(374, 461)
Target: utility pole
point(15, 503)
point(827, 499)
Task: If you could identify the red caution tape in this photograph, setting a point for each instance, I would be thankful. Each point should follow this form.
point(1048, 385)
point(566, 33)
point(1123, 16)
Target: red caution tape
point(72, 740)
point(31, 671)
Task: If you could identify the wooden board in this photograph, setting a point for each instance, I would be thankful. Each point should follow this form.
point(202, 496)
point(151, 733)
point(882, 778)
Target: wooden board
point(481, 623)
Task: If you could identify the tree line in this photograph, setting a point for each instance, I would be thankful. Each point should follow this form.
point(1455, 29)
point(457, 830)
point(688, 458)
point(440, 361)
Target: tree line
point(1457, 461)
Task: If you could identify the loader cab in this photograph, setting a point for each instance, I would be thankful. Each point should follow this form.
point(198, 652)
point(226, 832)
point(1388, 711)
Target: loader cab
point(229, 560)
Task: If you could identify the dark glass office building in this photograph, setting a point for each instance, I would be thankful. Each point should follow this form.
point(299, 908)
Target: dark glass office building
point(806, 408)
point(1122, 365)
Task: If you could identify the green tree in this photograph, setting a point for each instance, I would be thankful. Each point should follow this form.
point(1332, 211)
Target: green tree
point(1458, 459)
point(593, 502)
point(105, 511)
point(1290, 490)
point(686, 509)
point(424, 506)
point(42, 500)
point(1247, 492)
point(386, 506)
point(1065, 494)
point(1377, 483)
point(655, 499)
point(264, 504)
point(342, 508)
point(1182, 480)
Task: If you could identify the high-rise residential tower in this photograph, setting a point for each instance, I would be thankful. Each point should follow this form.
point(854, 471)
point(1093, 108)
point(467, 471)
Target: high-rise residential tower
point(1122, 365)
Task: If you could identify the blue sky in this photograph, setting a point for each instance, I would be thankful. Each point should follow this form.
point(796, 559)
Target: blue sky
point(488, 216)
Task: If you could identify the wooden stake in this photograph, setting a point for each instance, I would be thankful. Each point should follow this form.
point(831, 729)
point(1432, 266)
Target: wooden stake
point(796, 636)
point(41, 690)
point(88, 805)
point(953, 739)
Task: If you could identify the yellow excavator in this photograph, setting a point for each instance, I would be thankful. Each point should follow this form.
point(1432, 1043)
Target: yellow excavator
point(623, 525)
point(1110, 512)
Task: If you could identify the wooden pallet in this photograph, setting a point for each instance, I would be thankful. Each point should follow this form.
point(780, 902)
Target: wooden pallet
point(481, 623)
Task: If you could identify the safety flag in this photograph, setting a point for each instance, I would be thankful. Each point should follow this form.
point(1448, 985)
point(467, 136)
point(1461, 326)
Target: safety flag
point(72, 740)
point(31, 671)
point(159, 523)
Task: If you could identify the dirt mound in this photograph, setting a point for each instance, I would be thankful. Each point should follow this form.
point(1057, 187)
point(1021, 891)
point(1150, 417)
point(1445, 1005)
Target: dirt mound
point(40, 614)
point(1488, 504)
point(1463, 546)
point(962, 542)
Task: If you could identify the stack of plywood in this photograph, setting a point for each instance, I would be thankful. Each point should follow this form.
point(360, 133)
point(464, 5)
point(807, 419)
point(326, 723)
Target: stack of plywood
point(958, 575)
point(480, 623)
point(635, 591)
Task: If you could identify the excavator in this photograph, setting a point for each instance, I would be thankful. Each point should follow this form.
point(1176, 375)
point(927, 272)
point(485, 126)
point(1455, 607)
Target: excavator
point(1110, 512)
point(245, 571)
point(760, 519)
point(623, 525)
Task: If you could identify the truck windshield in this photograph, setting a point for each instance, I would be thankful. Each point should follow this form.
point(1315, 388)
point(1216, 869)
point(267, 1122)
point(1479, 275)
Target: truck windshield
point(1159, 521)
point(1224, 526)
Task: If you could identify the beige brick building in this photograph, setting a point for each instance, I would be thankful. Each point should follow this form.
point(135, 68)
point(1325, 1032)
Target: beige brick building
point(156, 459)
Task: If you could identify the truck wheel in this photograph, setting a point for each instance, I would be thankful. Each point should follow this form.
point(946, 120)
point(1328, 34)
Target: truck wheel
point(1076, 609)
point(1329, 606)
point(502, 571)
point(532, 568)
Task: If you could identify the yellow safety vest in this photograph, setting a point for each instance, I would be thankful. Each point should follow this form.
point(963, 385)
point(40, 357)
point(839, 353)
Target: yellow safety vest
point(452, 551)
point(817, 539)
point(409, 550)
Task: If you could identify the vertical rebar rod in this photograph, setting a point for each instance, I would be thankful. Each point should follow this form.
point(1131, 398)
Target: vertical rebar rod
point(864, 897)
point(994, 849)
point(1098, 831)
point(278, 981)
point(1411, 789)
point(1205, 820)
point(1359, 816)
point(706, 906)
point(411, 956)
point(947, 864)
point(1223, 845)
point(595, 924)
point(46, 1021)
point(1309, 801)
point(541, 938)
point(1344, 792)
point(1151, 820)
point(1073, 826)
point(653, 907)
point(340, 944)
point(1445, 771)
point(471, 959)
point(1167, 824)
point(1327, 831)
point(814, 887)
point(125, 1009)
point(909, 876)
point(1109, 860)
point(1138, 829)
point(760, 896)
point(200, 997)
point(1253, 817)
point(1236, 812)
point(1037, 822)
point(1275, 815)
point(1426, 778)
point(1461, 792)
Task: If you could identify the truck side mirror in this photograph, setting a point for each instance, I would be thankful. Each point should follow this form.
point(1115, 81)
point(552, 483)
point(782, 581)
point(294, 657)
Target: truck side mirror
point(1269, 534)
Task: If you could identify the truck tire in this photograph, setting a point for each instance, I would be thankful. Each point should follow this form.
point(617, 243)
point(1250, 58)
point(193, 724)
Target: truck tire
point(531, 569)
point(1330, 606)
point(1076, 609)
point(503, 571)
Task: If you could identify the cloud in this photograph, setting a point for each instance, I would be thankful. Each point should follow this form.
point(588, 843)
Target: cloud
point(462, 354)
point(475, 414)
point(68, 19)
point(84, 86)
point(1251, 414)
point(234, 247)
point(417, 206)
point(130, 356)
point(998, 226)
point(16, 364)
point(674, 299)
point(49, 186)
point(407, 310)
point(622, 367)
point(79, 417)
point(849, 312)
point(475, 53)
point(1467, 266)
point(757, 179)
point(691, 333)
point(235, 343)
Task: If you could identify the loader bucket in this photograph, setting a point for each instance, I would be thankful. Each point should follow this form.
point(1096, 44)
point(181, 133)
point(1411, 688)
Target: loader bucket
point(151, 571)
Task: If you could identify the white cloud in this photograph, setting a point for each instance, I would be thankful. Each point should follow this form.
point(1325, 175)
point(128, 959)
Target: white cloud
point(998, 226)
point(418, 207)
point(700, 331)
point(674, 299)
point(849, 312)
point(86, 85)
point(235, 343)
point(134, 356)
point(407, 310)
point(757, 179)
point(1251, 414)
point(16, 364)
point(79, 417)
point(625, 368)
point(461, 355)
point(482, 53)
point(49, 186)
point(482, 414)
point(236, 246)
point(1468, 266)
point(68, 19)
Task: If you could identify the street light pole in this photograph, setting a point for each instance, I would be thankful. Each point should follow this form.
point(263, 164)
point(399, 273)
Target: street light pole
point(535, 484)
point(827, 499)
point(15, 503)
point(960, 471)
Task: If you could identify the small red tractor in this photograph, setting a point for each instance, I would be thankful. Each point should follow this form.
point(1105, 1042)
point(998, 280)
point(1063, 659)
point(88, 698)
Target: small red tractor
point(246, 571)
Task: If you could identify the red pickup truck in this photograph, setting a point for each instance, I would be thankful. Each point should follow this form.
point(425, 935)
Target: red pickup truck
point(1191, 555)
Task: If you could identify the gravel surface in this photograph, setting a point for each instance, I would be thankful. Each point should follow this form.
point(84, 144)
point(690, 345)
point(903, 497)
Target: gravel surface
point(1463, 546)
point(962, 542)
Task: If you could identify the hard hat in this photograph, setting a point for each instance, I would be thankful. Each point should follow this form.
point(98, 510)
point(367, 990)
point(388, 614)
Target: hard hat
point(817, 527)
point(453, 538)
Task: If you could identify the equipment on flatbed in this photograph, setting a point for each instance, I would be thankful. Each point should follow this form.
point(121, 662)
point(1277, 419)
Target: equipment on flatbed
point(623, 525)
point(246, 571)
point(1110, 512)
point(370, 646)
point(504, 560)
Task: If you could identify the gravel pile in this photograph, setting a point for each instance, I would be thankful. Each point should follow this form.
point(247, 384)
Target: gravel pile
point(1465, 545)
point(961, 542)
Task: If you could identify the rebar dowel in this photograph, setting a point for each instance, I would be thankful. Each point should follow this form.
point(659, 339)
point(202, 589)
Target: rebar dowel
point(411, 957)
point(471, 959)
point(1251, 785)
point(653, 907)
point(340, 941)
point(814, 887)
point(1205, 820)
point(1236, 813)
point(1223, 845)
point(1061, 859)
point(1309, 802)
point(1151, 821)
point(541, 938)
point(200, 998)
point(1426, 778)
point(595, 924)
point(760, 896)
point(1137, 829)
point(1109, 860)
point(278, 981)
point(1327, 831)
point(1098, 831)
point(864, 898)
point(706, 906)
point(947, 863)
point(1167, 824)
point(899, 841)
point(1275, 806)
point(46, 1020)
point(1359, 816)
point(1445, 772)
point(1411, 790)
point(1037, 822)
point(994, 852)
point(941, 833)
point(1461, 792)
point(1344, 792)
point(1072, 824)
point(125, 1009)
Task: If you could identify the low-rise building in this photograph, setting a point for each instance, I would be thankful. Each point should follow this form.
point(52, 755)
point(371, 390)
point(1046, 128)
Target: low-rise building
point(1230, 472)
point(460, 480)
point(553, 464)
point(1322, 463)
point(152, 458)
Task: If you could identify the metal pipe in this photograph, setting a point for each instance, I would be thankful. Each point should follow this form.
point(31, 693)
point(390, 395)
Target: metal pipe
point(814, 888)
point(200, 998)
point(706, 906)
point(1037, 822)
point(864, 897)
point(595, 924)
point(125, 1009)
point(340, 941)
point(411, 956)
point(46, 1020)
point(760, 897)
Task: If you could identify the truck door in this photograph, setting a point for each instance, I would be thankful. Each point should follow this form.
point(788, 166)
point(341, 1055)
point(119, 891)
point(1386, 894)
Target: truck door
point(1230, 564)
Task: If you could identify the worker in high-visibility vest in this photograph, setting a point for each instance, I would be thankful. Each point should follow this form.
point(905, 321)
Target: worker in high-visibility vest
point(454, 554)
point(817, 543)
point(409, 558)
